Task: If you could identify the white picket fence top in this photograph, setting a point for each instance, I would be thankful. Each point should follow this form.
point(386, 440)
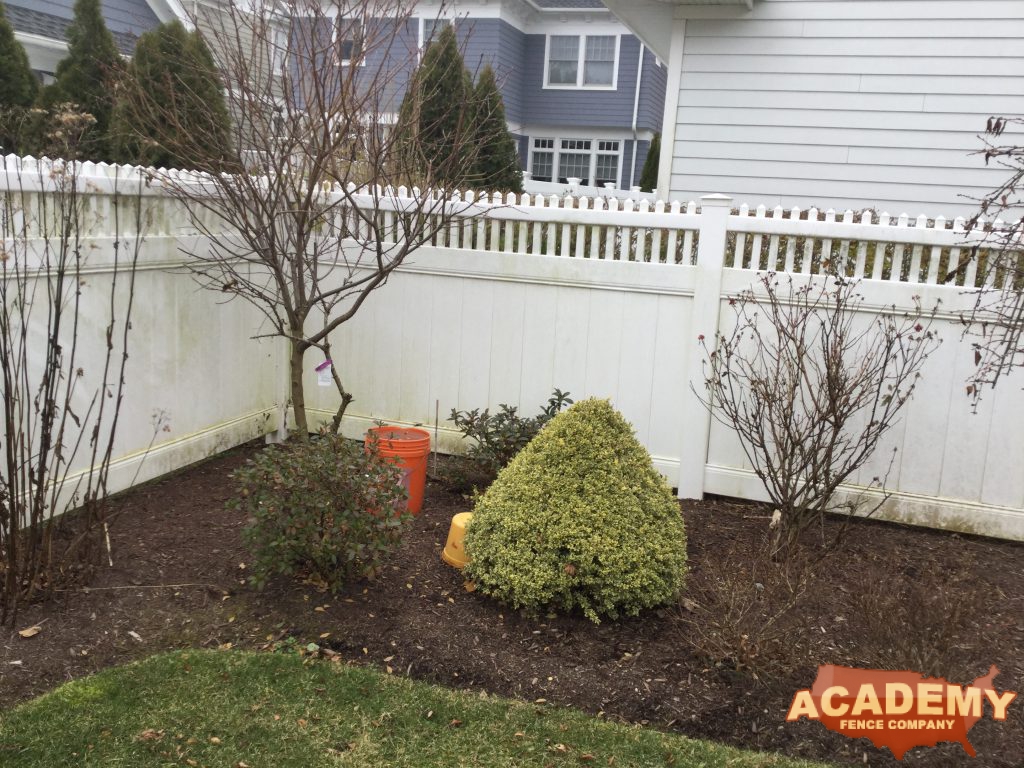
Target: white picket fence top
point(863, 245)
point(533, 187)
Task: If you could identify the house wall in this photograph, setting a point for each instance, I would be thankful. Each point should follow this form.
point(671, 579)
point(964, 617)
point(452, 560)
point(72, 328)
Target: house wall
point(652, 93)
point(642, 148)
point(503, 47)
point(845, 103)
point(397, 57)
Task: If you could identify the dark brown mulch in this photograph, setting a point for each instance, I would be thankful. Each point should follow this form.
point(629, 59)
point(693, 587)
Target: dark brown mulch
point(723, 665)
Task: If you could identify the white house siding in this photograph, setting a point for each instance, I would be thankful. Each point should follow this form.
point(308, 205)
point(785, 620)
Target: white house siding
point(846, 103)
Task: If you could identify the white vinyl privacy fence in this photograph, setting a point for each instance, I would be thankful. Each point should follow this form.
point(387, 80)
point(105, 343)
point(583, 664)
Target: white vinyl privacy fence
point(600, 297)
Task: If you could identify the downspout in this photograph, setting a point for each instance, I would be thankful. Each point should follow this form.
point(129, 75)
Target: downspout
point(636, 113)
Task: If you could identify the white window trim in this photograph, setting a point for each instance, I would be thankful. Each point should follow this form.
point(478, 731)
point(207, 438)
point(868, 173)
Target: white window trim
point(421, 27)
point(554, 150)
point(580, 62)
point(594, 152)
point(620, 154)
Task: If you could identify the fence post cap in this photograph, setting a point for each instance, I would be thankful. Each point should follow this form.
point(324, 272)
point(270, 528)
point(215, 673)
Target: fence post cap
point(716, 200)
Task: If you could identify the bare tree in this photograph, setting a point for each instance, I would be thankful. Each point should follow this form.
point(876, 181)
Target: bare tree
point(997, 320)
point(323, 188)
point(60, 392)
point(809, 392)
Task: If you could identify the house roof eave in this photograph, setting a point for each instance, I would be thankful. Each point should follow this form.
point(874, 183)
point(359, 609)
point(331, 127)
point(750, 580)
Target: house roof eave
point(648, 20)
point(651, 20)
point(169, 10)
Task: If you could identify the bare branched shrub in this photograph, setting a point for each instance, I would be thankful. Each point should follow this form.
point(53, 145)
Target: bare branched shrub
point(60, 389)
point(811, 391)
point(323, 187)
point(928, 620)
point(741, 613)
point(997, 236)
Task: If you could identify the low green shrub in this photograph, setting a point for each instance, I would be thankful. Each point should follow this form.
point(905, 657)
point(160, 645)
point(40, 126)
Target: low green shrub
point(327, 507)
point(579, 519)
point(498, 437)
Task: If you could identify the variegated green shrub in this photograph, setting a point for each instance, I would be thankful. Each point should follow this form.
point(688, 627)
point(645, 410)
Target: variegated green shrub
point(579, 519)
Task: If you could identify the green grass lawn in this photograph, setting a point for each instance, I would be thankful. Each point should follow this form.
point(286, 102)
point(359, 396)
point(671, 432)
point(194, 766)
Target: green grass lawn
point(207, 708)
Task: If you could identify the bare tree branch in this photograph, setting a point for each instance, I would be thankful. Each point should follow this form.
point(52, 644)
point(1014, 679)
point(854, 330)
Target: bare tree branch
point(323, 190)
point(996, 322)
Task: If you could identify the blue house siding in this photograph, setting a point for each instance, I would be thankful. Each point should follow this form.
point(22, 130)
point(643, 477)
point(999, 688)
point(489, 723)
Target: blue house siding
point(399, 58)
point(627, 161)
point(642, 149)
point(126, 16)
point(498, 43)
point(652, 94)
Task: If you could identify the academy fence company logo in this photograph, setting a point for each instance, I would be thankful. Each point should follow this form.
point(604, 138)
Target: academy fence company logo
point(898, 710)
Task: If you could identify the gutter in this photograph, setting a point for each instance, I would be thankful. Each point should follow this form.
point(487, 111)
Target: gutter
point(542, 9)
point(30, 39)
point(636, 113)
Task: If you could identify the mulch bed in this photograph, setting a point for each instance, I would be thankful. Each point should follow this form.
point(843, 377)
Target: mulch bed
point(723, 665)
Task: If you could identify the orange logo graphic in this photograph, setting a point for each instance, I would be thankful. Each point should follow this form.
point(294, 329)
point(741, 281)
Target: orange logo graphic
point(898, 710)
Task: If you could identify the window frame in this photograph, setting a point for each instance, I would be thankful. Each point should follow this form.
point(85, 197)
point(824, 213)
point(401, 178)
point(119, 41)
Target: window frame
point(619, 155)
point(557, 149)
point(357, 42)
point(422, 27)
point(581, 60)
point(553, 150)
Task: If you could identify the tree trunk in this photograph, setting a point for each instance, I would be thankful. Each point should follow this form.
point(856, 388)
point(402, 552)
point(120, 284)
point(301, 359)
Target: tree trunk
point(298, 394)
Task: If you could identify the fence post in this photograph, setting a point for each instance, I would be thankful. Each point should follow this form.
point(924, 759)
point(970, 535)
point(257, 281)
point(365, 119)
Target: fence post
point(707, 293)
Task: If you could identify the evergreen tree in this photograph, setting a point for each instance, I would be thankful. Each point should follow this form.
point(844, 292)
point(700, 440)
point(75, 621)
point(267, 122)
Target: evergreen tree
point(171, 111)
point(497, 166)
point(436, 114)
point(87, 76)
point(649, 175)
point(18, 85)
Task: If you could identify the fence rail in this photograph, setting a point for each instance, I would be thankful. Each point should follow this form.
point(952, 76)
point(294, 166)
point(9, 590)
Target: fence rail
point(867, 245)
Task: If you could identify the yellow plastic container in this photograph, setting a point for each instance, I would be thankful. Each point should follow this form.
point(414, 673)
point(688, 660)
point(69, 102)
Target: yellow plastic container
point(454, 552)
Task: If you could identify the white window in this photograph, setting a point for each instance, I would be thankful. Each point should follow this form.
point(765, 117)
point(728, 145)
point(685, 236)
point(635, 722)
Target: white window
point(574, 160)
point(348, 41)
point(606, 165)
point(430, 28)
point(581, 61)
point(542, 159)
point(595, 162)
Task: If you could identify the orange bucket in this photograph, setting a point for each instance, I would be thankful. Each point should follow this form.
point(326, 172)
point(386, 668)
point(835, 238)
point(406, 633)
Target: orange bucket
point(408, 447)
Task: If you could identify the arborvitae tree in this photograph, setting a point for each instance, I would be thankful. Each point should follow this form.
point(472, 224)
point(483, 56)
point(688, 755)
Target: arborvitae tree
point(649, 175)
point(172, 68)
point(18, 86)
point(436, 116)
point(87, 76)
point(497, 167)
